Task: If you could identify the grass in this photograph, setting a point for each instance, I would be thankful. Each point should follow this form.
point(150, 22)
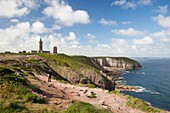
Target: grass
point(15, 92)
point(81, 107)
point(87, 85)
point(63, 81)
point(35, 88)
point(140, 104)
point(87, 61)
point(117, 92)
point(4, 71)
point(92, 95)
point(136, 103)
point(64, 60)
point(50, 85)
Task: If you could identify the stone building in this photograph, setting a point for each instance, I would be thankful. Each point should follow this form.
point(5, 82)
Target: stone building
point(55, 49)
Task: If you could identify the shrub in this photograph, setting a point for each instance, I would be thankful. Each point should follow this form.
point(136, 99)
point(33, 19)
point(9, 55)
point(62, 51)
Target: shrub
point(91, 86)
point(35, 99)
point(88, 85)
point(16, 106)
point(5, 71)
point(92, 95)
point(35, 88)
point(50, 85)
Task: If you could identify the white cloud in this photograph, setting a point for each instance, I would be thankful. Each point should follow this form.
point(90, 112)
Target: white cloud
point(56, 27)
point(119, 41)
point(71, 37)
point(144, 41)
point(131, 32)
point(107, 22)
point(38, 27)
point(119, 46)
point(163, 21)
point(91, 38)
point(15, 37)
point(125, 4)
point(126, 22)
point(162, 9)
point(163, 36)
point(64, 13)
point(15, 8)
point(14, 20)
point(11, 8)
point(32, 4)
point(144, 2)
point(119, 2)
point(19, 37)
point(15, 31)
point(67, 44)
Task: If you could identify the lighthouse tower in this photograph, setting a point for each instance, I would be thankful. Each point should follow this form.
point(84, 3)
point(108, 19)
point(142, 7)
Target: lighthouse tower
point(40, 46)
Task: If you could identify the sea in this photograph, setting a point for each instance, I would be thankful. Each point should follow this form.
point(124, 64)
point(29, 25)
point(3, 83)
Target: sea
point(153, 79)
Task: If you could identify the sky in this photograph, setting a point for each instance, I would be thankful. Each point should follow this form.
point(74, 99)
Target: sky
point(130, 28)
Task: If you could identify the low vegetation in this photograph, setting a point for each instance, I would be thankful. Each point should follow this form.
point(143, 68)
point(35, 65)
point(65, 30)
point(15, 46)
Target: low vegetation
point(16, 93)
point(140, 104)
point(137, 103)
point(81, 107)
point(87, 85)
point(64, 60)
point(92, 95)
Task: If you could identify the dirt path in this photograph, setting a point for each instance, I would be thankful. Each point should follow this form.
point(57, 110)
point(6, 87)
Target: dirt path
point(68, 92)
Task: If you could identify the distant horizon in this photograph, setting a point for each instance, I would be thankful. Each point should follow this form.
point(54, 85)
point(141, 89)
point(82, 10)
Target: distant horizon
point(132, 57)
point(132, 28)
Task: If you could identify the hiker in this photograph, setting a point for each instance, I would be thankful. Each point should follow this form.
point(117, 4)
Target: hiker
point(49, 75)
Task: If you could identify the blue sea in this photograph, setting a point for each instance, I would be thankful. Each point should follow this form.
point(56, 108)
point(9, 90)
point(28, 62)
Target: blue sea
point(154, 79)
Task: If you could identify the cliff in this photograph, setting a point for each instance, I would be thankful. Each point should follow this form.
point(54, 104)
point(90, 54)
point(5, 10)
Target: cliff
point(74, 69)
point(24, 86)
point(118, 62)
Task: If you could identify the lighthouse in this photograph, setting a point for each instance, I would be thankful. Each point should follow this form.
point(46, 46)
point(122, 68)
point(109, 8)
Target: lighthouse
point(40, 46)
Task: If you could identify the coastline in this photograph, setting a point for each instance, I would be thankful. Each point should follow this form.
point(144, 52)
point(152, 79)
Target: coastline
point(114, 74)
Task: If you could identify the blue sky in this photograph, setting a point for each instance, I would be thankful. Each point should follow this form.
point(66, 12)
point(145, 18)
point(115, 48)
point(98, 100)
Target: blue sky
point(133, 28)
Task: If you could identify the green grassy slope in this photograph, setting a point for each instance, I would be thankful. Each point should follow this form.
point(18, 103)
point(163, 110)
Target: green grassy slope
point(16, 93)
point(87, 60)
point(16, 96)
point(64, 60)
point(73, 69)
point(81, 107)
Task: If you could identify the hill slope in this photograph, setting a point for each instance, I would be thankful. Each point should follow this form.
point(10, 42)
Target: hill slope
point(23, 86)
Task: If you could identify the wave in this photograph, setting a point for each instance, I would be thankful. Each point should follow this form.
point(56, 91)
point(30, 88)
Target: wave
point(143, 73)
point(142, 89)
point(128, 72)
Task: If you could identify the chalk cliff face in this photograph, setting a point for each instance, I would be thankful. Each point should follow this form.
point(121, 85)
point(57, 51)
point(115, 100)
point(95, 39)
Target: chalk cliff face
point(124, 63)
point(99, 71)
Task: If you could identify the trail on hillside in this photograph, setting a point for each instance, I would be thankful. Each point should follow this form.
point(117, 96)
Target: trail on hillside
point(54, 90)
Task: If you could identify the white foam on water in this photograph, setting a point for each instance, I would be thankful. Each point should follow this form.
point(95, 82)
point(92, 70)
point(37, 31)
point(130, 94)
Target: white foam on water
point(142, 89)
point(127, 71)
point(143, 73)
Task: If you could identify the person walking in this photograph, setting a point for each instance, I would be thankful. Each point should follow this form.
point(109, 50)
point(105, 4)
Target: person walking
point(49, 75)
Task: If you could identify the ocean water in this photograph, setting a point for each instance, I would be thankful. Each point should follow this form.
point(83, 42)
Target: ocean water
point(154, 79)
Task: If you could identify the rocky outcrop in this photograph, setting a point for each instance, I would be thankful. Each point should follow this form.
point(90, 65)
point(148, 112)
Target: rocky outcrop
point(121, 62)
